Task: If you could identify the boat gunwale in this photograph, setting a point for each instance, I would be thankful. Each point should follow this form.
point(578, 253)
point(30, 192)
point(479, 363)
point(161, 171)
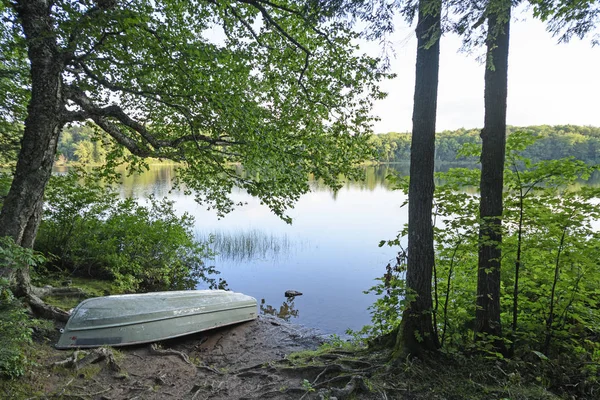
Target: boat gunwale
point(69, 329)
point(57, 346)
point(167, 294)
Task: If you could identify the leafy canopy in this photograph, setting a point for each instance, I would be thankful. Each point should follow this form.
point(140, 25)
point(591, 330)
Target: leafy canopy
point(273, 86)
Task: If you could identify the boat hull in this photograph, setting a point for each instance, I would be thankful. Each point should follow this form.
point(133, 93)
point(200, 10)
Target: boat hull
point(149, 317)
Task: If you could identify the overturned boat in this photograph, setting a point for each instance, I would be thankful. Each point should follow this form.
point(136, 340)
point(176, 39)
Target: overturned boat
point(148, 317)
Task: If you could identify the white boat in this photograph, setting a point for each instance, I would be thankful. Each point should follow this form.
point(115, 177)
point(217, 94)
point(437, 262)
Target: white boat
point(148, 317)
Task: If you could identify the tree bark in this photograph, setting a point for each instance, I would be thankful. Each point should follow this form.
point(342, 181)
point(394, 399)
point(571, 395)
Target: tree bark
point(21, 213)
point(416, 332)
point(493, 138)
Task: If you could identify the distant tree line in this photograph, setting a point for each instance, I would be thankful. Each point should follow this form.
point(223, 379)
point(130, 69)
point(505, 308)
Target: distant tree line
point(80, 143)
point(556, 142)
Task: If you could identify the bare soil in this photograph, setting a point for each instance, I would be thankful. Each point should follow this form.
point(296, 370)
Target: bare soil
point(219, 364)
point(260, 360)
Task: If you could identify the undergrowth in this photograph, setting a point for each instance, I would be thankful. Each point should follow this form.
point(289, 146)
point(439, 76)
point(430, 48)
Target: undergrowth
point(89, 231)
point(16, 326)
point(550, 276)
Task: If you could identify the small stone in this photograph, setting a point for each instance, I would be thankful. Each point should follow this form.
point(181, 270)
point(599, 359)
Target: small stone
point(292, 293)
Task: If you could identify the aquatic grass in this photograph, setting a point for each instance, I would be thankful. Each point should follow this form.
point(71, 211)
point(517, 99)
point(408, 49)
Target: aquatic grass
point(247, 245)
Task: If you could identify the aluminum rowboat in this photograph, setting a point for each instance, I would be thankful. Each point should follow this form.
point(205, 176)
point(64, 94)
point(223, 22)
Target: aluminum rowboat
point(149, 317)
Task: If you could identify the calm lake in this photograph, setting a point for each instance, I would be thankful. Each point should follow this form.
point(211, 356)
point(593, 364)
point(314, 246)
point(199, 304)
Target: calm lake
point(329, 253)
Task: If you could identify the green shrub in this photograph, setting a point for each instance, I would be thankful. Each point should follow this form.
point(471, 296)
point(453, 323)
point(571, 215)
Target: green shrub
point(15, 325)
point(550, 276)
point(14, 333)
point(140, 247)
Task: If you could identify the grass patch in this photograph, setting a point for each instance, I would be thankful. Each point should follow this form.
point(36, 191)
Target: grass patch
point(65, 303)
point(468, 378)
point(90, 288)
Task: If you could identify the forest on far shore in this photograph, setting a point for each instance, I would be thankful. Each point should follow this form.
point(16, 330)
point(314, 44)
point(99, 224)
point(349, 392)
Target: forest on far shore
point(555, 142)
point(83, 145)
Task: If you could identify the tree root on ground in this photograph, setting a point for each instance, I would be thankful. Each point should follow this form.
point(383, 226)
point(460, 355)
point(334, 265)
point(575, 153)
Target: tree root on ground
point(42, 309)
point(331, 375)
point(90, 357)
point(47, 311)
point(356, 383)
point(274, 393)
point(169, 352)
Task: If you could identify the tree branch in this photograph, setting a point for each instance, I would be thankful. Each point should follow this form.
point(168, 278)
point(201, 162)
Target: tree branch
point(89, 14)
point(256, 4)
point(150, 95)
point(102, 115)
point(79, 25)
point(248, 27)
point(94, 47)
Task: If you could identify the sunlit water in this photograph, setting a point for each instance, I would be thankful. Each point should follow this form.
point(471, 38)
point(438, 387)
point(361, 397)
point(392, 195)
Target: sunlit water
point(330, 252)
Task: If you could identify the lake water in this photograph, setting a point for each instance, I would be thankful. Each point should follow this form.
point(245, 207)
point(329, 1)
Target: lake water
point(329, 253)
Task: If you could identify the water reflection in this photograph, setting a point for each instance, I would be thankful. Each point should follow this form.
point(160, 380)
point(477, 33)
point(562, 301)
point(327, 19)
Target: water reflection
point(330, 252)
point(156, 181)
point(286, 311)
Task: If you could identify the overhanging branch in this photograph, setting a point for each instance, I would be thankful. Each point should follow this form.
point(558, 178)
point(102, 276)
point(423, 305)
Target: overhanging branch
point(269, 19)
point(102, 117)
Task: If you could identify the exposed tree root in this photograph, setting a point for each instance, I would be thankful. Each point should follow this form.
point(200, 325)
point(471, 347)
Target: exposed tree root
point(209, 369)
point(252, 367)
point(356, 383)
point(274, 393)
point(330, 375)
point(169, 352)
point(90, 357)
point(34, 296)
point(47, 311)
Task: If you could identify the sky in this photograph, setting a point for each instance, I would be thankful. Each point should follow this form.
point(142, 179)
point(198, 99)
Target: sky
point(548, 83)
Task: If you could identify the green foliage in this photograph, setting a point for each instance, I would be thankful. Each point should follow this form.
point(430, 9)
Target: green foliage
point(568, 18)
point(210, 85)
point(17, 257)
point(83, 144)
point(142, 248)
point(5, 181)
point(14, 81)
point(550, 271)
point(10, 135)
point(15, 325)
point(387, 310)
point(307, 386)
point(14, 333)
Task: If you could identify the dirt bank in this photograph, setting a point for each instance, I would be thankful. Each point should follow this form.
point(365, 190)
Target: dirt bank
point(254, 360)
point(209, 365)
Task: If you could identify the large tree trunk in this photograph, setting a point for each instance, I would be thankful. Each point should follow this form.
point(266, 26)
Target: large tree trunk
point(493, 138)
point(416, 331)
point(21, 213)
